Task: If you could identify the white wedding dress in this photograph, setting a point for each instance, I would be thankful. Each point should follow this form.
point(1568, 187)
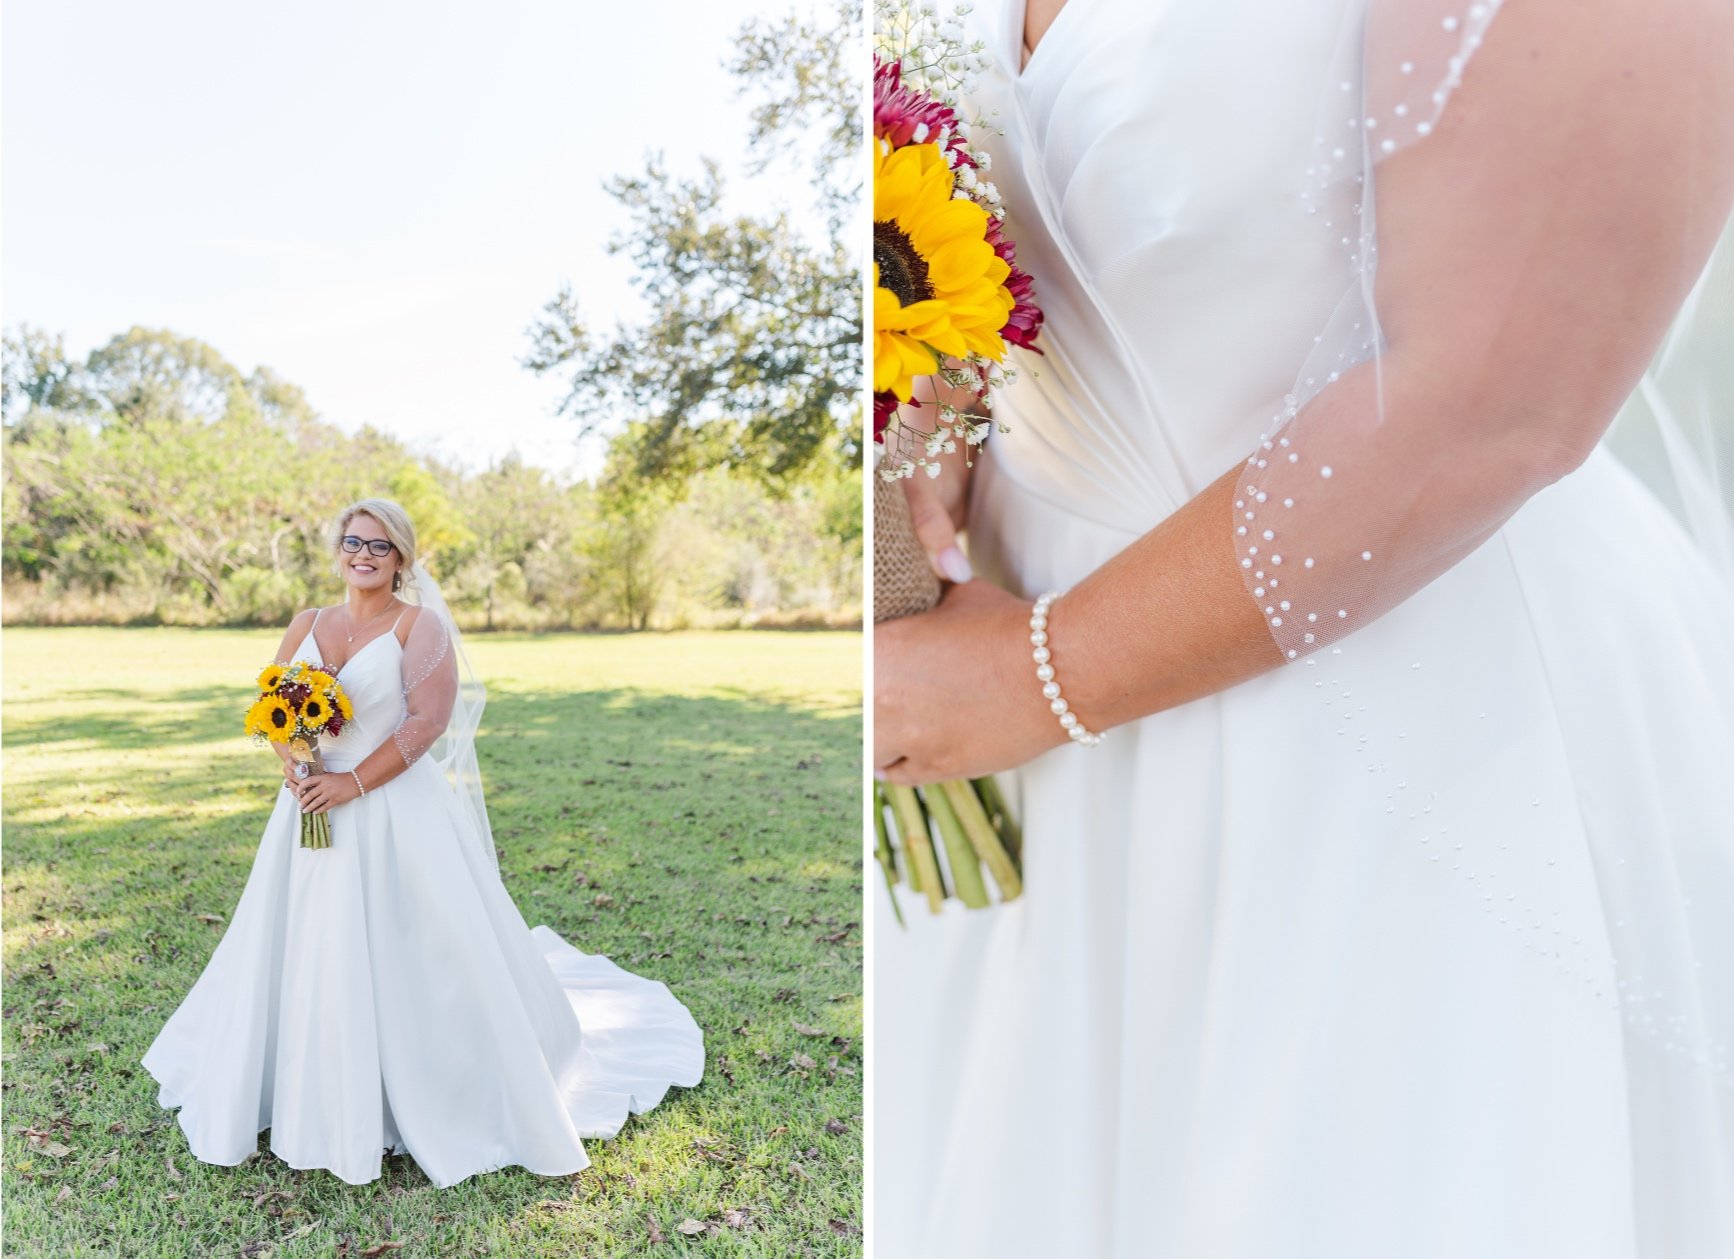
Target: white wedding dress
point(385, 994)
point(1274, 989)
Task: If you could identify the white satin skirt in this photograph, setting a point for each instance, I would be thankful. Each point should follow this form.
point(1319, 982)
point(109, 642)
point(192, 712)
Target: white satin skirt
point(385, 995)
point(1423, 947)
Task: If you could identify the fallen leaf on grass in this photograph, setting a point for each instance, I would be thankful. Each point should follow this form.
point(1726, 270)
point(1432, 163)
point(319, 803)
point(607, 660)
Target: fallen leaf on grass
point(211, 918)
point(174, 1171)
point(803, 1062)
point(843, 1228)
point(734, 1217)
point(64, 1194)
point(47, 1144)
point(692, 1228)
point(110, 1183)
point(836, 1127)
point(373, 1252)
point(797, 1170)
point(807, 1029)
point(656, 1236)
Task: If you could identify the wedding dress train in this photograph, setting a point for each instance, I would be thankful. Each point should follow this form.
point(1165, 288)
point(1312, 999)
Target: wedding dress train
point(385, 994)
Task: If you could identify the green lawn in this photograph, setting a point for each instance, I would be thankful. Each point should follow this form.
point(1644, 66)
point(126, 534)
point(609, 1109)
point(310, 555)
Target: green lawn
point(688, 804)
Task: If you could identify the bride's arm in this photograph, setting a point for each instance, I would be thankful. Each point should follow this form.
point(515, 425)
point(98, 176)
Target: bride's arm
point(430, 687)
point(1532, 253)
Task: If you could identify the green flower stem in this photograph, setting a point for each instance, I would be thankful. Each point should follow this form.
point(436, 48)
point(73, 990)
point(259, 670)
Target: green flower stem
point(993, 800)
point(315, 830)
point(960, 855)
point(918, 843)
point(882, 849)
point(987, 844)
point(887, 856)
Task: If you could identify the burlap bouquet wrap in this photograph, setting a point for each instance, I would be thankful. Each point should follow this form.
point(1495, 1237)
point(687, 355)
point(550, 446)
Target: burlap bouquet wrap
point(969, 816)
point(904, 583)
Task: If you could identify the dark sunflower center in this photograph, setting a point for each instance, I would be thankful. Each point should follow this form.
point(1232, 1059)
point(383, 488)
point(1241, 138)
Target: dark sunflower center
point(279, 717)
point(901, 268)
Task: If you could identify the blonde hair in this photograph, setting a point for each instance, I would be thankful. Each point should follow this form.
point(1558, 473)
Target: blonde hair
point(392, 518)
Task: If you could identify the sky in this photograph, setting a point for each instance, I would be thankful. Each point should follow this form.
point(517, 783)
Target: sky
point(374, 200)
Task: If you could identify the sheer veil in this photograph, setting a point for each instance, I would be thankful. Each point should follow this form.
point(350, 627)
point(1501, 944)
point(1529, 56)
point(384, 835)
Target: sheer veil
point(443, 702)
point(1549, 280)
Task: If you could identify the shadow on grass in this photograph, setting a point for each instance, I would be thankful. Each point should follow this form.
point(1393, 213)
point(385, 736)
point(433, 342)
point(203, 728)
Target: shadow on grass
point(129, 720)
point(711, 842)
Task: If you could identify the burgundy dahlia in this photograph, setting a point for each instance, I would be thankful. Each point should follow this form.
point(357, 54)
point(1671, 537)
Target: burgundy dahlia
point(898, 111)
point(1025, 321)
point(884, 407)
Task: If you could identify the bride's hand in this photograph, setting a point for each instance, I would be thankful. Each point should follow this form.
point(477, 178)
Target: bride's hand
point(955, 693)
point(934, 504)
point(321, 792)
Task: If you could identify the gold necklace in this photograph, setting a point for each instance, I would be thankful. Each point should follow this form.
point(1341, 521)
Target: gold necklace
point(350, 619)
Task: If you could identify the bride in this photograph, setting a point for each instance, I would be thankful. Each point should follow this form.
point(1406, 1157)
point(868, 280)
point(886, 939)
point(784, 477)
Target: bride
point(1394, 913)
point(385, 994)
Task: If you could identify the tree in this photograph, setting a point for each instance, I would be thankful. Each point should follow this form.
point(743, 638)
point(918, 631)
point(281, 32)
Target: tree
point(151, 373)
point(37, 375)
point(752, 357)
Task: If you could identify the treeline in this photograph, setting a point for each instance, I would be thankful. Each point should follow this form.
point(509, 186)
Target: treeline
point(154, 483)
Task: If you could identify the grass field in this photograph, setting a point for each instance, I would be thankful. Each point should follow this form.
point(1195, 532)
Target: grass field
point(687, 804)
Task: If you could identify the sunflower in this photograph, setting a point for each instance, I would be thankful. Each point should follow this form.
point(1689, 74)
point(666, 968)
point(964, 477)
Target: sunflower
point(315, 712)
point(272, 718)
point(319, 680)
point(342, 702)
point(270, 678)
point(939, 287)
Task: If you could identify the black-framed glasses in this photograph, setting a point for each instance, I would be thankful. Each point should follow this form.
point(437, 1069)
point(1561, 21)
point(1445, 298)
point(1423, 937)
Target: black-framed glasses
point(375, 546)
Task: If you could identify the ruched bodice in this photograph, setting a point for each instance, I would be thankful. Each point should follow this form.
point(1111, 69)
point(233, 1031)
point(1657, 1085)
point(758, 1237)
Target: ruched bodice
point(1169, 236)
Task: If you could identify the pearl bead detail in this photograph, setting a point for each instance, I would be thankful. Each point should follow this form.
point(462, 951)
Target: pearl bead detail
point(1075, 729)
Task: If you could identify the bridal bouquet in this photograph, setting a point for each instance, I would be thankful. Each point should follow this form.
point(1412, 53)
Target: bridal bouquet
point(948, 298)
point(297, 702)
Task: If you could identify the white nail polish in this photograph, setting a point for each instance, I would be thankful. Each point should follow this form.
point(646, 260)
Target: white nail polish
point(954, 565)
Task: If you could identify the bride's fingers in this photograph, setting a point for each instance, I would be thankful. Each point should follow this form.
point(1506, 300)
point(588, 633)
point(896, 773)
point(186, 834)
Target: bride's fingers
point(934, 530)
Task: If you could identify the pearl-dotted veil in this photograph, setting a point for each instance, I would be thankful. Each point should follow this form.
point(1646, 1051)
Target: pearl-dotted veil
point(443, 702)
point(1457, 378)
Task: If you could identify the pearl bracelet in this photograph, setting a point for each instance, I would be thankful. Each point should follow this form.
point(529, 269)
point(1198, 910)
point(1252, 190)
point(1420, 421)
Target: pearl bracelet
point(1045, 672)
point(358, 786)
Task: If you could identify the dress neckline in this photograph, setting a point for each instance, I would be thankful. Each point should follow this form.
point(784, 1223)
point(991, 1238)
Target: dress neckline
point(356, 654)
point(1017, 66)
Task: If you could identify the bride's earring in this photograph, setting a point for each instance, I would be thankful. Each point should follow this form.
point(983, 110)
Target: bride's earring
point(396, 580)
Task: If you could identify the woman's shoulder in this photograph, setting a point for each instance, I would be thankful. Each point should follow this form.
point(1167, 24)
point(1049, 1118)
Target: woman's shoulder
point(406, 621)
